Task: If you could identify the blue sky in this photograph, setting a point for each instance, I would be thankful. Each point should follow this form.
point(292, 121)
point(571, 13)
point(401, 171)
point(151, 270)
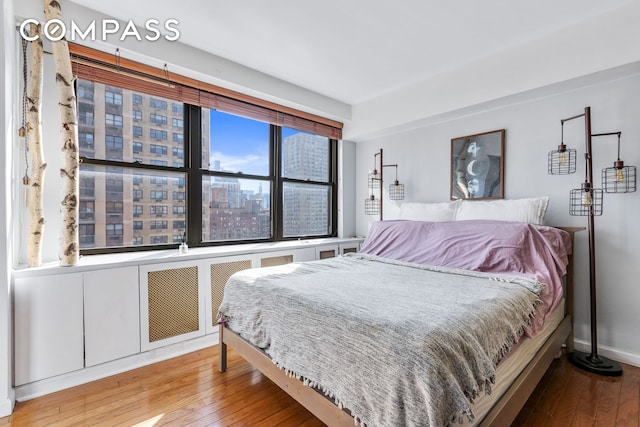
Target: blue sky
point(241, 144)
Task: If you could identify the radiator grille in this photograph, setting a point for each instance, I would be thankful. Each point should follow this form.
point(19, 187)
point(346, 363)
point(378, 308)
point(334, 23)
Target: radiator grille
point(173, 302)
point(276, 260)
point(329, 253)
point(220, 273)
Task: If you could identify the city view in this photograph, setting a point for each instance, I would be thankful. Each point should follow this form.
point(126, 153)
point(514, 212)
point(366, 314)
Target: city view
point(129, 206)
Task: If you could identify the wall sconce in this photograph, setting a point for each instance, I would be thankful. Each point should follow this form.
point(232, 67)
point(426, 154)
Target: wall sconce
point(373, 205)
point(587, 201)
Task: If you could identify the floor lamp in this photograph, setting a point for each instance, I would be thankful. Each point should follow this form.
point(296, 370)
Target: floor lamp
point(373, 205)
point(587, 201)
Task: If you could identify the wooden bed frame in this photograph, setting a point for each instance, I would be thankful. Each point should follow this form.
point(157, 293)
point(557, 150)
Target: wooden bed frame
point(502, 413)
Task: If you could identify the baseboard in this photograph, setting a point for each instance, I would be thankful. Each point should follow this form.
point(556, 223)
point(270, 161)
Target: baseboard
point(611, 353)
point(6, 405)
point(93, 373)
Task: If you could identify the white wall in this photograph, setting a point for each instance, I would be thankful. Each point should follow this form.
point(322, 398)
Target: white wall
point(7, 124)
point(532, 129)
point(590, 46)
point(346, 189)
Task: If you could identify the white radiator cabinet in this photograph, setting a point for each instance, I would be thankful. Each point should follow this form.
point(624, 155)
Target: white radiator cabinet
point(48, 326)
point(111, 314)
point(172, 303)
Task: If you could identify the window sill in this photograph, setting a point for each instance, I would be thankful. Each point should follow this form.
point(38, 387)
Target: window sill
point(94, 262)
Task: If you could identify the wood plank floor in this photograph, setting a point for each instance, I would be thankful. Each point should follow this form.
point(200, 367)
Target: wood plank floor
point(189, 391)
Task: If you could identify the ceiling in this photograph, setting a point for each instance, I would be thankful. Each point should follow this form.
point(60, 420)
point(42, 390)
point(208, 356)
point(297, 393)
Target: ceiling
point(356, 50)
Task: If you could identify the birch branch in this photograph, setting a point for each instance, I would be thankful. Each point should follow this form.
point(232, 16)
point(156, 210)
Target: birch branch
point(34, 132)
point(69, 247)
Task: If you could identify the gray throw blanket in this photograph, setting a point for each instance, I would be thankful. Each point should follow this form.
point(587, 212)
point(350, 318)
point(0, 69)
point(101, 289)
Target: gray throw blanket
point(395, 343)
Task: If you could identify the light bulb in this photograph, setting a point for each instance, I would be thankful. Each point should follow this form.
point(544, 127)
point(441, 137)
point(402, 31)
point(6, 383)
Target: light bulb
point(620, 175)
point(563, 158)
point(586, 198)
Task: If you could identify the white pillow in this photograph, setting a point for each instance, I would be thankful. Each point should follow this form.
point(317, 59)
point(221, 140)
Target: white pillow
point(531, 210)
point(444, 211)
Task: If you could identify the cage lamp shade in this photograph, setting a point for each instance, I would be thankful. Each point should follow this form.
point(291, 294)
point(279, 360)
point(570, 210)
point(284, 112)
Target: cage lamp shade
point(372, 205)
point(396, 191)
point(373, 179)
point(585, 200)
point(619, 178)
point(562, 161)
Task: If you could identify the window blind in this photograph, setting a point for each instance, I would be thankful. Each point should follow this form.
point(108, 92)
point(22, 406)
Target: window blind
point(98, 66)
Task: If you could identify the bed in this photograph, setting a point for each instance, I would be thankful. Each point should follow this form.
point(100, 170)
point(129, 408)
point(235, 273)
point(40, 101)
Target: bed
point(431, 323)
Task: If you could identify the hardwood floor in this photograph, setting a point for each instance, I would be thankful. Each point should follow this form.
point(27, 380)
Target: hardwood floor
point(189, 391)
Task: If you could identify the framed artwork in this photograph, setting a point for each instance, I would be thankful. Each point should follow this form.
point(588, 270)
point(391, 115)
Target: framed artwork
point(477, 166)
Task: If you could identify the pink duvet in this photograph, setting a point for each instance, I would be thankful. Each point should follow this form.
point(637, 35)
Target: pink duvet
point(534, 251)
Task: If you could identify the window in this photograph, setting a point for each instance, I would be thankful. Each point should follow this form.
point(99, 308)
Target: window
point(87, 187)
point(114, 208)
point(158, 149)
point(158, 104)
point(85, 114)
point(113, 120)
point(158, 210)
point(158, 194)
point(158, 134)
point(85, 139)
point(111, 141)
point(158, 119)
point(306, 189)
point(230, 170)
point(113, 98)
point(87, 209)
point(158, 180)
point(114, 183)
point(158, 225)
point(86, 235)
point(114, 230)
point(85, 91)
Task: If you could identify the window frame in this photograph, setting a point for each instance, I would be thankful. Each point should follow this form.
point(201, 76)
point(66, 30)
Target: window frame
point(191, 167)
